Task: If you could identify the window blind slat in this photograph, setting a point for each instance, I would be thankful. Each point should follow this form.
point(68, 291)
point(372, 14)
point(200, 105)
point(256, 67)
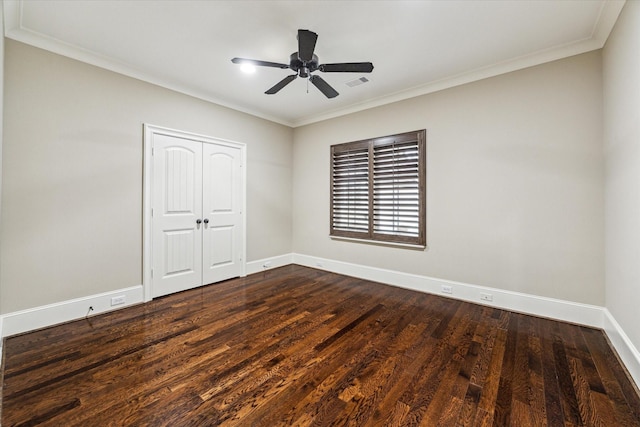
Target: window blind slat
point(377, 188)
point(396, 189)
point(350, 190)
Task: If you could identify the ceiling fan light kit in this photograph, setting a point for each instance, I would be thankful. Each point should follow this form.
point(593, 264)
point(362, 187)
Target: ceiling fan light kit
point(304, 62)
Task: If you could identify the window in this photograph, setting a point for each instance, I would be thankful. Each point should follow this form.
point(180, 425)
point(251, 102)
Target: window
point(378, 189)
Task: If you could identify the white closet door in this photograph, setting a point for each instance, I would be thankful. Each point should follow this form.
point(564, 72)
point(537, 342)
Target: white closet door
point(222, 204)
point(177, 207)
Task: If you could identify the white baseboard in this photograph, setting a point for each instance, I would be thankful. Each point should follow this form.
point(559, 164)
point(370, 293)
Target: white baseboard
point(65, 311)
point(626, 350)
point(584, 314)
point(268, 263)
point(568, 311)
point(53, 314)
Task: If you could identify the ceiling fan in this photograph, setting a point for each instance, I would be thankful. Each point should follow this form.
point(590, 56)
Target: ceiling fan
point(304, 62)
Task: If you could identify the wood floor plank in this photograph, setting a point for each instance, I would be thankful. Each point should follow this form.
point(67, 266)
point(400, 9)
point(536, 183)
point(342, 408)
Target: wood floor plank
point(503, 403)
point(568, 397)
point(625, 403)
point(299, 346)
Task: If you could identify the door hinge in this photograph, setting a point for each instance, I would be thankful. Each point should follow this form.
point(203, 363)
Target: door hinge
point(153, 151)
point(152, 273)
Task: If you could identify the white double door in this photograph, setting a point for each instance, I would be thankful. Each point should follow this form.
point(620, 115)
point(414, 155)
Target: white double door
point(197, 226)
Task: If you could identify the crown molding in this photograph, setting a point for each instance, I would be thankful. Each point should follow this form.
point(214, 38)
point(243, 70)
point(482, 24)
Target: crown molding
point(606, 20)
point(608, 15)
point(16, 31)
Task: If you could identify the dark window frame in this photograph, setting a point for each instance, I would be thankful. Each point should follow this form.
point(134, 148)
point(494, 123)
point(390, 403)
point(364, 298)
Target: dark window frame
point(374, 184)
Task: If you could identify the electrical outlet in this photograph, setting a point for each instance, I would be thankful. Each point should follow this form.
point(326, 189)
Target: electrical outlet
point(267, 264)
point(446, 289)
point(486, 297)
point(121, 299)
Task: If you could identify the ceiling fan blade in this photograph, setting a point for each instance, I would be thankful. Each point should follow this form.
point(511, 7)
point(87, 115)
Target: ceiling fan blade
point(324, 87)
point(347, 67)
point(282, 83)
point(306, 45)
point(259, 63)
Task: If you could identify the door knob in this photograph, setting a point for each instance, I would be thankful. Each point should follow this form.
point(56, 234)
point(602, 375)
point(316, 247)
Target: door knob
point(206, 220)
point(198, 221)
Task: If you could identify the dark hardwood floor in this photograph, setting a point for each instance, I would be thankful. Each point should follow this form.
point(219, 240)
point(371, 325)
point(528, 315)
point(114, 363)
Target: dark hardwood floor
point(298, 346)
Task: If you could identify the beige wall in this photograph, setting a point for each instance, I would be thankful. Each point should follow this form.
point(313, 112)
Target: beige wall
point(514, 182)
point(72, 176)
point(621, 77)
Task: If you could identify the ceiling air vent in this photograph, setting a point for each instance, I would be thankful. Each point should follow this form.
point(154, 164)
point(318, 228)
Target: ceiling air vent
point(357, 82)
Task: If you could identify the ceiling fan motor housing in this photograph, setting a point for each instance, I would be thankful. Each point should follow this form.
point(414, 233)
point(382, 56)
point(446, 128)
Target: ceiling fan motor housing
point(303, 68)
point(304, 62)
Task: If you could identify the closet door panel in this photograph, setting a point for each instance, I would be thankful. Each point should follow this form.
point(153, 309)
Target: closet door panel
point(221, 246)
point(177, 205)
point(222, 234)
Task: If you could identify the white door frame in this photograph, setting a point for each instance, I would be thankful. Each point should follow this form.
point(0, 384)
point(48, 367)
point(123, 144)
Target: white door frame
point(147, 183)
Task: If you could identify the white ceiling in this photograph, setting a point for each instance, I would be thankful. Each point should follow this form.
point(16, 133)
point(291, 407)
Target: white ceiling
point(416, 47)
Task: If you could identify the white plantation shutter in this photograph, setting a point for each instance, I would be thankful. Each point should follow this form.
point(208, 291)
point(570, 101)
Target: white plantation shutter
point(378, 189)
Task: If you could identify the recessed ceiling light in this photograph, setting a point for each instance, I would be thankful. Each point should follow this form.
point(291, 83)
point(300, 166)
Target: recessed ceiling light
point(247, 68)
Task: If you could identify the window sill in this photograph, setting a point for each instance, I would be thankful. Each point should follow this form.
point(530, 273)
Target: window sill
point(381, 243)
